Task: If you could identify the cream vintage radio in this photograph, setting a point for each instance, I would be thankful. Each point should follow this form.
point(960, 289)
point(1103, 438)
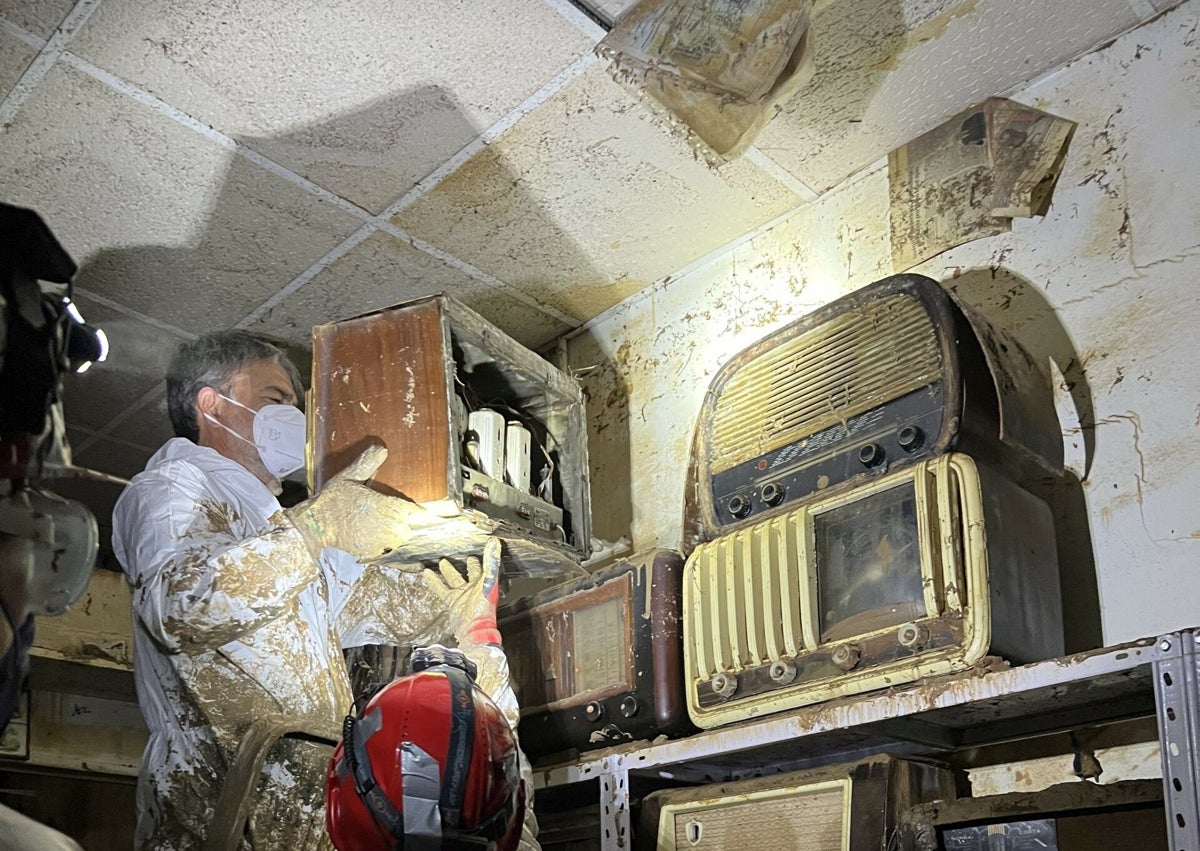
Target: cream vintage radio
point(888, 376)
point(853, 807)
point(923, 571)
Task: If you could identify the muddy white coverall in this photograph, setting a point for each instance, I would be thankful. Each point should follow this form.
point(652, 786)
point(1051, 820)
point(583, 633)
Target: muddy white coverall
point(235, 622)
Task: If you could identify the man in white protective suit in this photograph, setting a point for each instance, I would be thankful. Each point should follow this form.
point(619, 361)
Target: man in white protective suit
point(242, 608)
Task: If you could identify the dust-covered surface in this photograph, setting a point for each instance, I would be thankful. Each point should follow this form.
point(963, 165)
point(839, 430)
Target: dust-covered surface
point(1102, 286)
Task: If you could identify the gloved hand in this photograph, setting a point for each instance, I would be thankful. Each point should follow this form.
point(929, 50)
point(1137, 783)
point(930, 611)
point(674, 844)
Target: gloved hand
point(471, 601)
point(350, 516)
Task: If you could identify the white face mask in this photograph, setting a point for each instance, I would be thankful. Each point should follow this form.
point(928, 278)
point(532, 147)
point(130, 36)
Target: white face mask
point(279, 435)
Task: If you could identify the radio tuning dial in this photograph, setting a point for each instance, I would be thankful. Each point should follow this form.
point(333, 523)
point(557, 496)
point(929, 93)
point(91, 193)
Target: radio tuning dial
point(739, 506)
point(629, 706)
point(772, 493)
point(871, 455)
point(910, 438)
point(594, 711)
point(846, 656)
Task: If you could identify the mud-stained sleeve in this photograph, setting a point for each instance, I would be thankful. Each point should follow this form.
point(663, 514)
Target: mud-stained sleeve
point(494, 680)
point(382, 603)
point(195, 584)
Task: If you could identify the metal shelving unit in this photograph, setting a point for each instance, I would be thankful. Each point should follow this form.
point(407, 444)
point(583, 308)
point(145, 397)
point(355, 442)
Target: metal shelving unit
point(989, 705)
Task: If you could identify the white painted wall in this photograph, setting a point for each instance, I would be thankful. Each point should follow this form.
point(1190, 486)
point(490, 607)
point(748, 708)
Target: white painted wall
point(1110, 276)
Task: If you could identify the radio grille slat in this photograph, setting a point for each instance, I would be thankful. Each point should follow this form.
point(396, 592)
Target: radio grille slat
point(880, 352)
point(790, 533)
point(772, 598)
point(749, 588)
point(751, 603)
point(735, 623)
point(716, 623)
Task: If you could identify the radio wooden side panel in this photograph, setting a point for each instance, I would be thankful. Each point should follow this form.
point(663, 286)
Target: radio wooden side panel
point(598, 661)
point(381, 379)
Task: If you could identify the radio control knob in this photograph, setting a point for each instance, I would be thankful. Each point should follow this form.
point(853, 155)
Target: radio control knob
point(629, 706)
point(846, 656)
point(594, 711)
point(910, 438)
point(783, 672)
point(724, 685)
point(739, 506)
point(912, 636)
point(772, 493)
point(871, 454)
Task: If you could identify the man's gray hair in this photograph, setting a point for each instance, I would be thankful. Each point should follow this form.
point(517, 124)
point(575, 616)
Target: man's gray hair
point(211, 361)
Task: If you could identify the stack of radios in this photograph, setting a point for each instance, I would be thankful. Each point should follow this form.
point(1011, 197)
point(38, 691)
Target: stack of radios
point(857, 519)
point(856, 508)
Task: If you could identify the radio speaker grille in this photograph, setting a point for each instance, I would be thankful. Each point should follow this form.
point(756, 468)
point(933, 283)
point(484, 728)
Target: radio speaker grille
point(745, 597)
point(837, 370)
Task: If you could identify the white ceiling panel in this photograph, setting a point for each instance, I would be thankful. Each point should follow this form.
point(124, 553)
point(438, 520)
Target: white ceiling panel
point(160, 218)
point(15, 57)
point(39, 17)
point(888, 71)
point(384, 270)
point(587, 200)
point(364, 97)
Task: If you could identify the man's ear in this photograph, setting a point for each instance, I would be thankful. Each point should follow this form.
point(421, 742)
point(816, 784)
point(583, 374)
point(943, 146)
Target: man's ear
point(206, 401)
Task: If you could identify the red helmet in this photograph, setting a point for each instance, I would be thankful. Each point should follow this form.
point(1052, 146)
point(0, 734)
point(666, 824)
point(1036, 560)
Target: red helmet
point(430, 763)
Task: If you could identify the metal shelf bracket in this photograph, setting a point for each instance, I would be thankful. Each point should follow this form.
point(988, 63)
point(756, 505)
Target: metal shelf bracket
point(615, 832)
point(1177, 700)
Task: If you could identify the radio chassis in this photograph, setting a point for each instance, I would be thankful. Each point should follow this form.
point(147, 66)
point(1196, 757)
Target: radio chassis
point(1159, 676)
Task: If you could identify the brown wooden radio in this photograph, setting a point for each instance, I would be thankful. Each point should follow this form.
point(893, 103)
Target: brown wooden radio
point(888, 376)
point(598, 660)
point(414, 377)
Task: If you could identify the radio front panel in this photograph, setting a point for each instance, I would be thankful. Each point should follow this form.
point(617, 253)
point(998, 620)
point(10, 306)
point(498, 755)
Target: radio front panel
point(885, 584)
point(852, 807)
point(598, 660)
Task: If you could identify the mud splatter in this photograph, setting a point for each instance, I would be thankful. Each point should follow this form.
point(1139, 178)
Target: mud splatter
point(220, 516)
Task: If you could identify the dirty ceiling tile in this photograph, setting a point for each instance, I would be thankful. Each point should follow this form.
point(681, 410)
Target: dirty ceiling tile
point(15, 57)
point(364, 97)
point(159, 218)
point(384, 270)
point(886, 72)
point(37, 16)
point(587, 200)
point(137, 361)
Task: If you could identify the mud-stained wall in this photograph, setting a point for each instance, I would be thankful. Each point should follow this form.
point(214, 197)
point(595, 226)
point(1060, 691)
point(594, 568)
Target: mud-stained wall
point(1104, 286)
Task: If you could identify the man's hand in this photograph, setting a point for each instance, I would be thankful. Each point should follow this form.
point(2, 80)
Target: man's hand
point(350, 516)
point(471, 601)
